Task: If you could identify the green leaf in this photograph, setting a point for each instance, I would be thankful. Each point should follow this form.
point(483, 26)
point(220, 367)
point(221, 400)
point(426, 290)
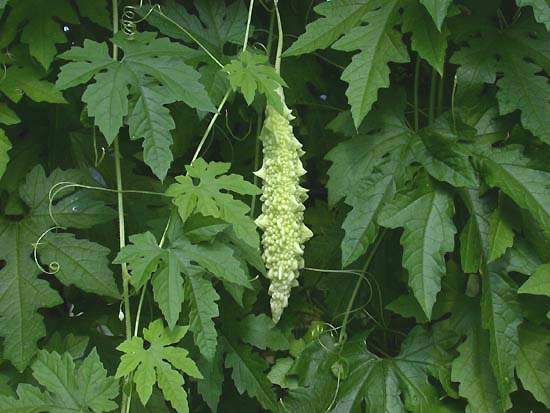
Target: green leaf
point(216, 258)
point(248, 373)
point(97, 11)
point(68, 389)
point(22, 293)
point(472, 370)
point(168, 288)
point(538, 283)
point(108, 97)
point(151, 121)
point(426, 216)
point(519, 53)
point(533, 362)
point(206, 197)
point(20, 80)
point(522, 89)
point(158, 364)
point(79, 262)
point(354, 160)
point(379, 44)
point(218, 24)
point(252, 73)
point(85, 62)
point(509, 170)
point(143, 256)
point(367, 200)
point(501, 235)
point(210, 388)
point(379, 382)
point(339, 16)
point(260, 331)
point(428, 40)
point(501, 316)
point(437, 9)
point(8, 116)
point(5, 146)
point(541, 10)
point(202, 298)
point(474, 238)
point(41, 31)
point(444, 159)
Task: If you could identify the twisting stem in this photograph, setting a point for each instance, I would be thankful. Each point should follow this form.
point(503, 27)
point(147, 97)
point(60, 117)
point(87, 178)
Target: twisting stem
point(247, 31)
point(433, 90)
point(416, 86)
point(210, 126)
point(441, 91)
point(370, 256)
point(280, 39)
point(190, 35)
point(261, 118)
point(121, 227)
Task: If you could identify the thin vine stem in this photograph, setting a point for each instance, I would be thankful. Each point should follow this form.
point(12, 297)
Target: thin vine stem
point(365, 268)
point(121, 224)
point(280, 38)
point(416, 88)
point(441, 91)
point(433, 91)
point(190, 35)
point(210, 126)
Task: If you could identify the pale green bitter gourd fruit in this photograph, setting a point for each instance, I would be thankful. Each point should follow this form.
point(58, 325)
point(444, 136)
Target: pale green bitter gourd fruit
point(282, 218)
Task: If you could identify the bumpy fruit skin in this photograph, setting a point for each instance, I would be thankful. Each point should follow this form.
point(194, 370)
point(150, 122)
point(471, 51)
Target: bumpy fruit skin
point(282, 218)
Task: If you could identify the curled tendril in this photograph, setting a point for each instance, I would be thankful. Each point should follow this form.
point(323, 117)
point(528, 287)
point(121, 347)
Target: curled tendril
point(234, 136)
point(130, 18)
point(60, 186)
point(53, 266)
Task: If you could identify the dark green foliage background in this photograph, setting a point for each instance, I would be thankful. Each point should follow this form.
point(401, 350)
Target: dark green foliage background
point(426, 131)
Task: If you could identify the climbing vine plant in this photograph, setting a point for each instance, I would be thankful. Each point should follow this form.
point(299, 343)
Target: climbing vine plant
point(287, 206)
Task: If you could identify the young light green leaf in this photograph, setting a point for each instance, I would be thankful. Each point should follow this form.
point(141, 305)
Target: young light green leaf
point(158, 364)
point(206, 197)
point(538, 283)
point(501, 316)
point(426, 216)
point(251, 73)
